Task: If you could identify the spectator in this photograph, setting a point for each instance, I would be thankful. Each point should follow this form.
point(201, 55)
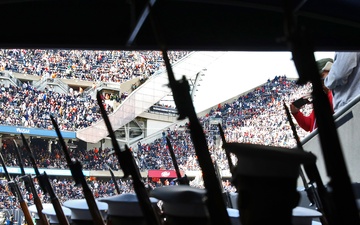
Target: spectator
point(344, 78)
point(12, 219)
point(308, 123)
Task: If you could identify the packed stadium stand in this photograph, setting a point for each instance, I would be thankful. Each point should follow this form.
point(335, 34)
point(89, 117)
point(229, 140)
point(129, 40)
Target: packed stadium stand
point(238, 116)
point(250, 117)
point(191, 25)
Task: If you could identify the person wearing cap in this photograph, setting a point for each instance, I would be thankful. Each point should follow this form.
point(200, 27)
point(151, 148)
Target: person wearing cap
point(34, 212)
point(344, 78)
point(80, 212)
point(266, 180)
point(308, 123)
point(183, 204)
point(53, 218)
point(125, 209)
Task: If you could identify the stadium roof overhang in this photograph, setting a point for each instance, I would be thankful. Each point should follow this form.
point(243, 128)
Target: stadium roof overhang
point(230, 25)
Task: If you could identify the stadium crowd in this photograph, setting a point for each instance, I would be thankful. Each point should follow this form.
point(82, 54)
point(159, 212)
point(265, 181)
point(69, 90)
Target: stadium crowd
point(28, 107)
point(95, 66)
point(251, 118)
point(66, 189)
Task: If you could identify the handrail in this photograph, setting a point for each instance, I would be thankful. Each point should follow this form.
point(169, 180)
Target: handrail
point(336, 116)
point(8, 74)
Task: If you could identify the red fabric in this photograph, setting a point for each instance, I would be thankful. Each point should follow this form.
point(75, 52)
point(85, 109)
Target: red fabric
point(308, 123)
point(162, 173)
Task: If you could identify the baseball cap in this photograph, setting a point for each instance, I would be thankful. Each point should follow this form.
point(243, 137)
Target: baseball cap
point(324, 64)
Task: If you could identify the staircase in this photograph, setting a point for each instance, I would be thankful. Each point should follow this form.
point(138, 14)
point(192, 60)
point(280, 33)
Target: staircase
point(149, 93)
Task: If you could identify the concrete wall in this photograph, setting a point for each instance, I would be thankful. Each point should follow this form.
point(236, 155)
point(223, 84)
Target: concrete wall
point(348, 123)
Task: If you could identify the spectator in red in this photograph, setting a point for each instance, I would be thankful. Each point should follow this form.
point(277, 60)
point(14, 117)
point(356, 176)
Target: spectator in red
point(308, 123)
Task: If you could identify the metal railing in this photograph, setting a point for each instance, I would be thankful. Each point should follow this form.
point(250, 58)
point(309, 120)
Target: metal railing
point(9, 76)
point(51, 81)
point(5, 215)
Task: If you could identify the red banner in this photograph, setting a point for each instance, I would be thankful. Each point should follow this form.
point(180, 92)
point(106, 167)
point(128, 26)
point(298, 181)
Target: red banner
point(162, 173)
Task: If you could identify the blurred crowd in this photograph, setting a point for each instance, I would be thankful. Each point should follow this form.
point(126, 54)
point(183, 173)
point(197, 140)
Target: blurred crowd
point(95, 66)
point(254, 117)
point(66, 189)
point(257, 117)
point(28, 107)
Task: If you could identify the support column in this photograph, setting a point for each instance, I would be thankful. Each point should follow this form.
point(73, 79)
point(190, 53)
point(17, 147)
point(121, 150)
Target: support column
point(49, 145)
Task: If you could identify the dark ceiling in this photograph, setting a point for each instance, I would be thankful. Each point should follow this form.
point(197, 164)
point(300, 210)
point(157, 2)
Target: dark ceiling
point(248, 25)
